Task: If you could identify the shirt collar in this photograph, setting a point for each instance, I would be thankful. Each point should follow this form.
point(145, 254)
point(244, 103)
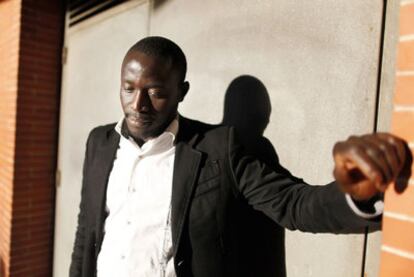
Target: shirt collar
point(171, 131)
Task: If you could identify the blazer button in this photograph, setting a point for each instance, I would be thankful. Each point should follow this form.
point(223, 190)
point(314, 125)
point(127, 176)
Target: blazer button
point(180, 263)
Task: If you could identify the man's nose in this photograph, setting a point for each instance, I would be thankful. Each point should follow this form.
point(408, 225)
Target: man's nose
point(141, 101)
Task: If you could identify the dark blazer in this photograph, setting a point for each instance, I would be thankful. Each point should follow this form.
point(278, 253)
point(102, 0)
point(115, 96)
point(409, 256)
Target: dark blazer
point(228, 207)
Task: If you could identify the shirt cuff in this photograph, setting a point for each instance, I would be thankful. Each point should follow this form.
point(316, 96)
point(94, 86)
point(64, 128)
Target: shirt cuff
point(377, 207)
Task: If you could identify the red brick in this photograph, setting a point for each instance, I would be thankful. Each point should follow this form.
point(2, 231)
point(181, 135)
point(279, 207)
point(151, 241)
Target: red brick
point(404, 90)
point(37, 248)
point(32, 72)
point(402, 125)
point(407, 20)
point(398, 234)
point(28, 266)
point(393, 266)
point(398, 202)
point(405, 60)
point(9, 38)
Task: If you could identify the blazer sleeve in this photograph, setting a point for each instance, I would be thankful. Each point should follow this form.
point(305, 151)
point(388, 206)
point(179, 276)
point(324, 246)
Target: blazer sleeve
point(75, 269)
point(288, 200)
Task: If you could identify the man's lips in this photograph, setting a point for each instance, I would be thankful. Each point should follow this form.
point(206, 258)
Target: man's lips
point(139, 120)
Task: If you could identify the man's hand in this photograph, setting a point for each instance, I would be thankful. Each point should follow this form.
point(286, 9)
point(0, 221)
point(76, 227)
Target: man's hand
point(366, 165)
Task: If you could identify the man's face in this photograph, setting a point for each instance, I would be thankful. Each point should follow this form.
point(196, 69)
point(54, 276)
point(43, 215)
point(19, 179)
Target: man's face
point(150, 93)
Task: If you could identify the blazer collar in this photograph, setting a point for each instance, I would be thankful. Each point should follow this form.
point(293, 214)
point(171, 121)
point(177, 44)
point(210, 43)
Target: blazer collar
point(186, 169)
point(105, 156)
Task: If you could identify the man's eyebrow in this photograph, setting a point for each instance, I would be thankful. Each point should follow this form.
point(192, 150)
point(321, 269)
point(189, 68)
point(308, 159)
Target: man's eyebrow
point(151, 85)
point(128, 83)
point(155, 85)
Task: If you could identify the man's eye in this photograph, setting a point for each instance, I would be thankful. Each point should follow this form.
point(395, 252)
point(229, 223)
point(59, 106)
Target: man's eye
point(128, 90)
point(156, 93)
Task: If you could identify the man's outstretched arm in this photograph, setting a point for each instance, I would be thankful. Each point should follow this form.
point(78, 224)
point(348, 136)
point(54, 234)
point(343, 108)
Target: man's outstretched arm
point(296, 205)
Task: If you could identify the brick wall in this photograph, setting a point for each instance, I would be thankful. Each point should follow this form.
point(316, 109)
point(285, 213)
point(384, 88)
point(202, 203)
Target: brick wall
point(9, 46)
point(30, 50)
point(397, 256)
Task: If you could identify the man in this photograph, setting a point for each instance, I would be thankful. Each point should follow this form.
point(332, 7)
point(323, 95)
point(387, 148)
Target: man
point(163, 195)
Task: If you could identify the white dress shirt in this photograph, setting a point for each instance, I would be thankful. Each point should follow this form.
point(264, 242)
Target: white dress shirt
point(137, 241)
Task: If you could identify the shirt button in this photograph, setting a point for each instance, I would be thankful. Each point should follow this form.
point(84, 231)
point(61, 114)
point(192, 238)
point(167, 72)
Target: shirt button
point(129, 222)
point(122, 257)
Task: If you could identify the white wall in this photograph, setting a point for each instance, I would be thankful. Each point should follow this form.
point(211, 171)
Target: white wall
point(318, 60)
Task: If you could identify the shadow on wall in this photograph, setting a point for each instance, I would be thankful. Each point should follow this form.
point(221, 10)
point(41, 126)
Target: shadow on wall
point(158, 3)
point(247, 107)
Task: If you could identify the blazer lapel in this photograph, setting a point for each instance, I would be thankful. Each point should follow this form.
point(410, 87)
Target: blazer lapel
point(186, 167)
point(105, 155)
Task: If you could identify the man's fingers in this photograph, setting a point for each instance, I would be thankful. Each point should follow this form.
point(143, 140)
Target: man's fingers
point(355, 156)
point(352, 181)
point(384, 154)
point(341, 173)
point(371, 161)
point(398, 145)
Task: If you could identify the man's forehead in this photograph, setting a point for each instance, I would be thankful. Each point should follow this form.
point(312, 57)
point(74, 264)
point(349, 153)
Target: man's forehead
point(131, 70)
point(132, 65)
point(137, 65)
point(137, 59)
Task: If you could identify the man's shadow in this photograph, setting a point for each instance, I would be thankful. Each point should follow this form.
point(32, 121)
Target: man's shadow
point(247, 107)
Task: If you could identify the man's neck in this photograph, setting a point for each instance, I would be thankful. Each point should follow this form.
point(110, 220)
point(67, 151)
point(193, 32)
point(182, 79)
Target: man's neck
point(141, 141)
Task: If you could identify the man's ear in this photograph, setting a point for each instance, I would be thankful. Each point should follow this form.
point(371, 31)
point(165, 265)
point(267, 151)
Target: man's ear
point(185, 86)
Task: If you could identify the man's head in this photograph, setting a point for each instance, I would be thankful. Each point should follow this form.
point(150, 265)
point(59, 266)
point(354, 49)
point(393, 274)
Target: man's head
point(152, 85)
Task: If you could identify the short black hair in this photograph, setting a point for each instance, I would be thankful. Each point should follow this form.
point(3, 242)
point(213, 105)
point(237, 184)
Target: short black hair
point(162, 47)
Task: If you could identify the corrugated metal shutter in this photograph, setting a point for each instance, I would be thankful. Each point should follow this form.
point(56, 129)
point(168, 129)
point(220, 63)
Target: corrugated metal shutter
point(80, 10)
